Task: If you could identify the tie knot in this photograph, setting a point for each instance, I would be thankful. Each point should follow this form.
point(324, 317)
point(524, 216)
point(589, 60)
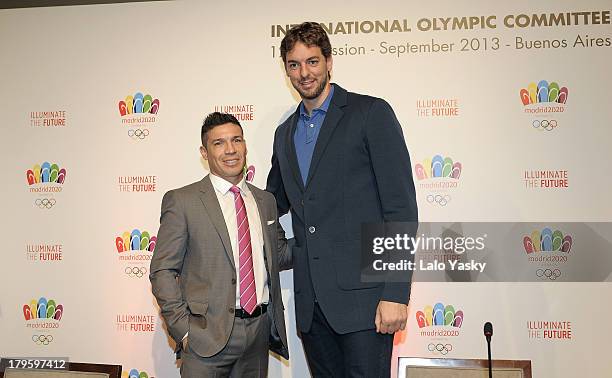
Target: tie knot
point(234, 189)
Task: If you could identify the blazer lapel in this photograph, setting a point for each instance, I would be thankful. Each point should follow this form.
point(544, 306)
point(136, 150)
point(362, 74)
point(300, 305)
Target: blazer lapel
point(332, 119)
point(211, 204)
point(261, 207)
point(290, 149)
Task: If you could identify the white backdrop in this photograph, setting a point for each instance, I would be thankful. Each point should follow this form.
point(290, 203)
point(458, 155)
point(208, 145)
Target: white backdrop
point(64, 71)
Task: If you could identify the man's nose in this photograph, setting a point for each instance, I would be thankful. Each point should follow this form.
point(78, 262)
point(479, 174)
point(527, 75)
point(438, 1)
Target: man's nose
point(230, 148)
point(303, 71)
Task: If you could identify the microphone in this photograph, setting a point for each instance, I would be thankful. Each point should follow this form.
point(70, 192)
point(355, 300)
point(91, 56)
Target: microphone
point(488, 332)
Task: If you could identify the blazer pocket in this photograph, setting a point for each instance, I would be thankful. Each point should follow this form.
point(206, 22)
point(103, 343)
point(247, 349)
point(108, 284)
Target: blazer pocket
point(197, 308)
point(347, 263)
point(197, 316)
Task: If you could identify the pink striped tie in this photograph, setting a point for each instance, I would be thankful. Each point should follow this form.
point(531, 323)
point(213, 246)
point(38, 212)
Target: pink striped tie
point(248, 295)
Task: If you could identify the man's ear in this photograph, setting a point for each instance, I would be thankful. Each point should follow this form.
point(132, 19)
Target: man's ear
point(203, 152)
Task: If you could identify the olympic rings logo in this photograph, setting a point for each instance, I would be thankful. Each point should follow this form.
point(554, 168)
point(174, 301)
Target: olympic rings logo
point(138, 133)
point(544, 124)
point(45, 203)
point(551, 274)
point(135, 271)
point(440, 348)
point(42, 339)
point(440, 199)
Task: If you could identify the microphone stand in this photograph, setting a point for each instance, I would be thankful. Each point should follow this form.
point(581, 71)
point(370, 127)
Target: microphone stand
point(489, 352)
point(488, 332)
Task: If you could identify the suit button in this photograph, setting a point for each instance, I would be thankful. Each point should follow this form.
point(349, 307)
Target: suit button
point(312, 229)
point(233, 281)
point(231, 310)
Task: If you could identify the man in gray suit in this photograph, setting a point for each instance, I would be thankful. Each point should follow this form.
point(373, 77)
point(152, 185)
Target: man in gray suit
point(215, 268)
point(340, 161)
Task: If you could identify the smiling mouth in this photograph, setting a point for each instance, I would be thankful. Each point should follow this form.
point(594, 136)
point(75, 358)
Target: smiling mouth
point(307, 83)
point(231, 162)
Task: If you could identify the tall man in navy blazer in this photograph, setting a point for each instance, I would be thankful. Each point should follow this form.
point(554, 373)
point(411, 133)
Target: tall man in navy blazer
point(339, 161)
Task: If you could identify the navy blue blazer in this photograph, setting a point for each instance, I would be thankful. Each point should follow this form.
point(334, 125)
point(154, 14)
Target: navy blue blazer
point(360, 173)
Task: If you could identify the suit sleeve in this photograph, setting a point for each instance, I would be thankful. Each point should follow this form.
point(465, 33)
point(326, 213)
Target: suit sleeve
point(275, 186)
point(274, 182)
point(393, 172)
point(166, 265)
point(285, 258)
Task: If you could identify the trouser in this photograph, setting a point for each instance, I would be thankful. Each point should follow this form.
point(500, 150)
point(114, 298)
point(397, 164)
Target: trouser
point(357, 354)
point(245, 355)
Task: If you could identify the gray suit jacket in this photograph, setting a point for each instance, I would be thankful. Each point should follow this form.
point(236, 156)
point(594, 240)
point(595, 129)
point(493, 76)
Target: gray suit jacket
point(193, 273)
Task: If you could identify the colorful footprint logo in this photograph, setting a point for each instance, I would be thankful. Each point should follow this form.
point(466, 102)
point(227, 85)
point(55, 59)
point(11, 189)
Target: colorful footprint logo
point(439, 315)
point(547, 241)
point(133, 373)
point(43, 309)
point(135, 241)
point(138, 103)
point(543, 92)
point(46, 173)
point(438, 167)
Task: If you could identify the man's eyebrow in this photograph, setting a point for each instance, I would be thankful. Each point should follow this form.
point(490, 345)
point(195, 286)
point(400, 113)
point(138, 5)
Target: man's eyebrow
point(307, 59)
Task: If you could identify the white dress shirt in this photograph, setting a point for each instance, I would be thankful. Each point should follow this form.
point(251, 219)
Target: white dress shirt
point(228, 208)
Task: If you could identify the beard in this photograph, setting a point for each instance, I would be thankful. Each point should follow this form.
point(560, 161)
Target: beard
point(314, 93)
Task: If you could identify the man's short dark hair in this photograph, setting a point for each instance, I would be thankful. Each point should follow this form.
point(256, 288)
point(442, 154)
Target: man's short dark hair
point(216, 119)
point(310, 34)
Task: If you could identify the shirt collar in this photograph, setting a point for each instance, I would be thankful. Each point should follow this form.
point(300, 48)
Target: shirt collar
point(223, 186)
point(324, 106)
